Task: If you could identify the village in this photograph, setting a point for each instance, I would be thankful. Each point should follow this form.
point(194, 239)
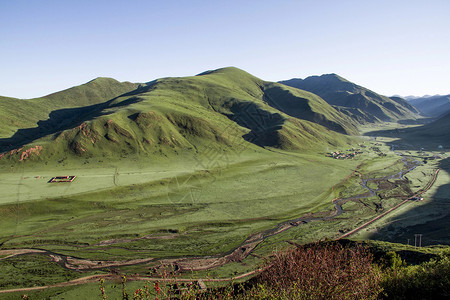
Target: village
point(348, 154)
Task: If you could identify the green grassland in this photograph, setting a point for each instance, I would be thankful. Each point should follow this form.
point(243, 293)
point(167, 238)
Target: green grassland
point(225, 204)
point(190, 211)
point(209, 150)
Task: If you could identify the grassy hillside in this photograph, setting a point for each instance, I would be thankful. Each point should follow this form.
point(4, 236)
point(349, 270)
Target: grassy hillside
point(227, 108)
point(431, 136)
point(437, 132)
point(433, 106)
point(19, 113)
point(361, 104)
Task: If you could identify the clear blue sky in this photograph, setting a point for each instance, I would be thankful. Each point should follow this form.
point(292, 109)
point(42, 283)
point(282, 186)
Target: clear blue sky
point(391, 47)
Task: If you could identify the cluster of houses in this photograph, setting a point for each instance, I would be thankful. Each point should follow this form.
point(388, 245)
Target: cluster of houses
point(341, 155)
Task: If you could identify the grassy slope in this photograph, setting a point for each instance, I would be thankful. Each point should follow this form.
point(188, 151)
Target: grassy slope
point(429, 136)
point(358, 102)
point(436, 132)
point(19, 113)
point(178, 114)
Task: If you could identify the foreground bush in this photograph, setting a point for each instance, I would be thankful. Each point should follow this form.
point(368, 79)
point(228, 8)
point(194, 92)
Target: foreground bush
point(429, 280)
point(323, 271)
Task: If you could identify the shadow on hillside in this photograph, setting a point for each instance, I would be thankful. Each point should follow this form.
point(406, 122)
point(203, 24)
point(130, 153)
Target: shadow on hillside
point(297, 107)
point(414, 138)
point(263, 125)
point(60, 120)
point(432, 219)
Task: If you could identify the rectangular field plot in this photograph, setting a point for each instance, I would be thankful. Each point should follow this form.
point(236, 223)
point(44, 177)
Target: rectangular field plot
point(59, 179)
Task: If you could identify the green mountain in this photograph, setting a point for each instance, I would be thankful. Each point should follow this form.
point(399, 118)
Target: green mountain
point(436, 133)
point(18, 113)
point(432, 106)
point(225, 108)
point(359, 103)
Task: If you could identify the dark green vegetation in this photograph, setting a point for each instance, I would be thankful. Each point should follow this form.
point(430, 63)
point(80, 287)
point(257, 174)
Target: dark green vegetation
point(433, 106)
point(34, 270)
point(359, 103)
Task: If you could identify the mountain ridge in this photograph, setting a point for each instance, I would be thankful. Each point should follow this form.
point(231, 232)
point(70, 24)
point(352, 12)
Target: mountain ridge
point(170, 114)
point(19, 113)
point(432, 106)
point(362, 104)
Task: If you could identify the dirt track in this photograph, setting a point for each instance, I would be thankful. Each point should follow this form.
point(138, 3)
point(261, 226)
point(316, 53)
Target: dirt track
point(96, 278)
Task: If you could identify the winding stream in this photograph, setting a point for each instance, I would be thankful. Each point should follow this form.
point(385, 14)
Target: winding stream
point(237, 254)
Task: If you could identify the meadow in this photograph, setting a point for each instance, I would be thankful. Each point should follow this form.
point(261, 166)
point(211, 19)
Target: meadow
point(114, 212)
point(252, 193)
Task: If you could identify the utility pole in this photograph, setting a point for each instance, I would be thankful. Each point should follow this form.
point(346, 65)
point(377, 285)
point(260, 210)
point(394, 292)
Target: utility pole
point(415, 240)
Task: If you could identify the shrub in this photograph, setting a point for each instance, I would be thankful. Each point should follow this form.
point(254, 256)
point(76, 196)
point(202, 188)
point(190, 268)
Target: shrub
point(429, 280)
point(323, 271)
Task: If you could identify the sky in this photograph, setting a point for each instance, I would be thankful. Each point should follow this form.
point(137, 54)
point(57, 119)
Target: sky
point(391, 47)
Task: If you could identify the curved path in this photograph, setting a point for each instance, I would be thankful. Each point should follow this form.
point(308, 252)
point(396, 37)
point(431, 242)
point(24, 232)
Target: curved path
point(96, 278)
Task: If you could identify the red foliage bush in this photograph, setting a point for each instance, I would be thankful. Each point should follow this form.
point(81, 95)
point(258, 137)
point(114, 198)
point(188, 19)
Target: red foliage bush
point(323, 271)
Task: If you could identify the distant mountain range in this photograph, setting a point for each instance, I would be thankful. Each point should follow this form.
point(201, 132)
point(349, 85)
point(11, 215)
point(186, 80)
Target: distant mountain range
point(411, 97)
point(361, 104)
point(431, 106)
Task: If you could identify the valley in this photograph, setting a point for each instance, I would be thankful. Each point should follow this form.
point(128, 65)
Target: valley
point(140, 231)
point(204, 176)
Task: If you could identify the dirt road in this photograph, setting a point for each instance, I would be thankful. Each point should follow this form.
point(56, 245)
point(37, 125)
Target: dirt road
point(426, 188)
point(96, 278)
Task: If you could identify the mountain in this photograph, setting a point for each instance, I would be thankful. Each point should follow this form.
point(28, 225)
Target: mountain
point(359, 103)
point(432, 106)
point(436, 133)
point(411, 97)
point(19, 113)
point(224, 108)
